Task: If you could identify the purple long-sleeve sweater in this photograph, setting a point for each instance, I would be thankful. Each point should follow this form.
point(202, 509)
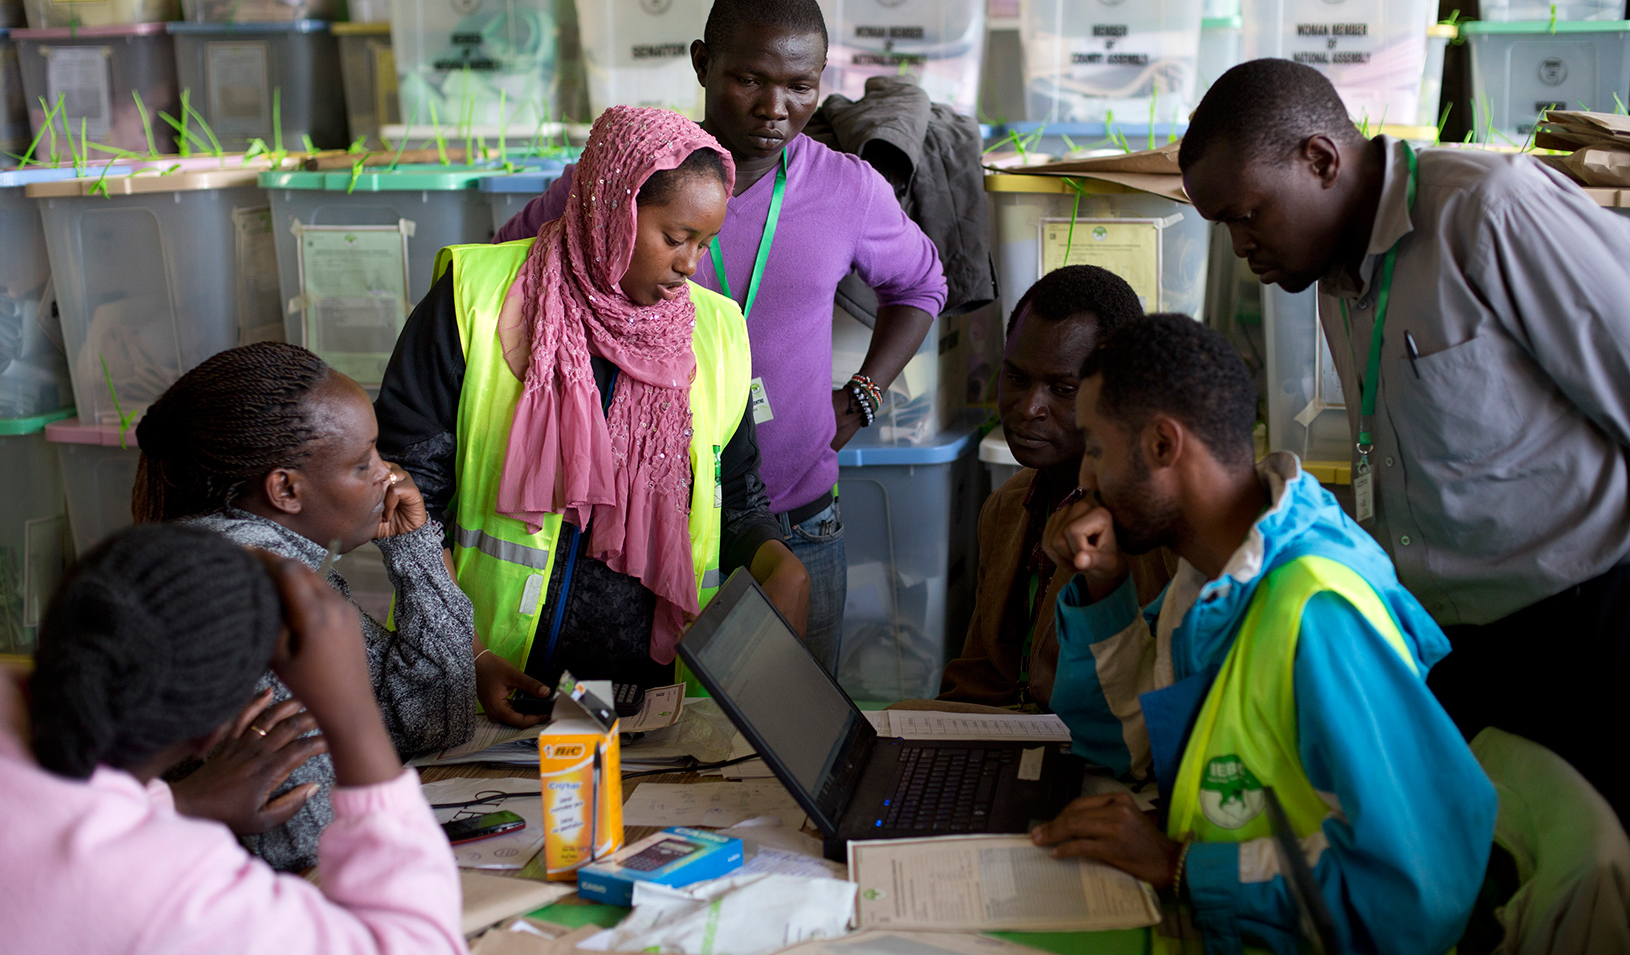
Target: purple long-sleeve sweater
point(837, 214)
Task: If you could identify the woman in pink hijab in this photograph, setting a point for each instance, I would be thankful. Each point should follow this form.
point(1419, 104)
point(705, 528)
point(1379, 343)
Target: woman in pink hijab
point(578, 412)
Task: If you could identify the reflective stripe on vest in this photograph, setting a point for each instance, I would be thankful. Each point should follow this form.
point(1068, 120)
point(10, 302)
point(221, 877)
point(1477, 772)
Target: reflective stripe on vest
point(501, 565)
point(535, 557)
point(1245, 736)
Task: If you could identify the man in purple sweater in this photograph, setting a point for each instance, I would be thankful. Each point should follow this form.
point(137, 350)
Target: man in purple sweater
point(760, 62)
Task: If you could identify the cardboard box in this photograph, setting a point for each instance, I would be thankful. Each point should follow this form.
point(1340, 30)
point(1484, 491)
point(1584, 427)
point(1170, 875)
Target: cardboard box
point(673, 857)
point(579, 765)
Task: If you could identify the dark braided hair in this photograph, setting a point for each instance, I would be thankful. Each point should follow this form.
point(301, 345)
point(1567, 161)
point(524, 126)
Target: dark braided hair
point(156, 637)
point(223, 426)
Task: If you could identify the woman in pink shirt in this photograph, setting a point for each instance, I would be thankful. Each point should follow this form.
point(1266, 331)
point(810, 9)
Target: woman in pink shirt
point(149, 650)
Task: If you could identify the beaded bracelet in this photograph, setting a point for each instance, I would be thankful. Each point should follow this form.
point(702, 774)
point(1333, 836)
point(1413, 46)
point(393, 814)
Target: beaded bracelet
point(860, 402)
point(873, 392)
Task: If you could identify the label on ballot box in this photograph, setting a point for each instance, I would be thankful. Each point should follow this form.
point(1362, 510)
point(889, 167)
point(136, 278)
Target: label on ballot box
point(673, 857)
point(579, 765)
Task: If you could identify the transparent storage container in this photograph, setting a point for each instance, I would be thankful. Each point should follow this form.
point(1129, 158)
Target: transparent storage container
point(1504, 11)
point(1086, 59)
point(14, 130)
point(98, 477)
point(929, 393)
point(369, 11)
point(96, 73)
point(241, 75)
point(1372, 51)
point(35, 547)
point(1438, 38)
point(354, 258)
point(98, 13)
point(938, 44)
point(1307, 411)
point(1519, 70)
point(369, 71)
point(507, 195)
point(1159, 245)
point(155, 277)
point(637, 53)
point(33, 369)
point(1220, 42)
point(483, 64)
point(910, 517)
point(998, 459)
point(258, 11)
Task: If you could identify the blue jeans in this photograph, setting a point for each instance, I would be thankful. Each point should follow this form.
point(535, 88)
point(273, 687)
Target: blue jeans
point(818, 544)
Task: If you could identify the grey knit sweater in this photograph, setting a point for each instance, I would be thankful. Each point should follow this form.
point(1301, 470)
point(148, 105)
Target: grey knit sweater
point(423, 671)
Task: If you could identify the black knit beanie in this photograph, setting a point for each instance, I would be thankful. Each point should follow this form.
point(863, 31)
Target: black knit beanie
point(157, 636)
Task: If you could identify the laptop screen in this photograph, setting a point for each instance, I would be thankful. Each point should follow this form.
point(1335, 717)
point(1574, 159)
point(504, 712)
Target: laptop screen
point(764, 669)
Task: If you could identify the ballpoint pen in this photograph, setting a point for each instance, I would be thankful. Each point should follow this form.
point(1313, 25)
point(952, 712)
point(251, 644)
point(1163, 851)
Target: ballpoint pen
point(594, 808)
point(1414, 353)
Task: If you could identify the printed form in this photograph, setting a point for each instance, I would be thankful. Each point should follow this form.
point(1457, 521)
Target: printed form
point(1011, 727)
point(992, 884)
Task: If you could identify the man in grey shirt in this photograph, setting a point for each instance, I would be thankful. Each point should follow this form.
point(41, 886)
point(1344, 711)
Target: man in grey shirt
point(1495, 473)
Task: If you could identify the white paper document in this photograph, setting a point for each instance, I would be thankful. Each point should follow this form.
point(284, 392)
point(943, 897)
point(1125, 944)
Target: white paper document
point(512, 850)
point(992, 884)
point(518, 746)
point(716, 805)
point(662, 707)
point(741, 914)
point(1010, 727)
point(875, 942)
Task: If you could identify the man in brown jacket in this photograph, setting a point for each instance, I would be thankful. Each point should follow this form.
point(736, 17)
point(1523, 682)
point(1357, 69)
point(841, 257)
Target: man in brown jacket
point(1011, 651)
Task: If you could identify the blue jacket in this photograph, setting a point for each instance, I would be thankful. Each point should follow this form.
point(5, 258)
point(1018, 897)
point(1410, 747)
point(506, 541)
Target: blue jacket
point(1404, 852)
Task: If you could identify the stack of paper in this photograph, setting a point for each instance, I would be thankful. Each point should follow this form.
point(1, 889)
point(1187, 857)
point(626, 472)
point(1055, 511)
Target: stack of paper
point(497, 743)
point(1599, 144)
point(492, 743)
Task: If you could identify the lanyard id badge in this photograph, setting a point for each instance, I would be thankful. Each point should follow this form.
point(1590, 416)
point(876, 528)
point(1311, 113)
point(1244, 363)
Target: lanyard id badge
point(759, 401)
point(771, 220)
point(1363, 477)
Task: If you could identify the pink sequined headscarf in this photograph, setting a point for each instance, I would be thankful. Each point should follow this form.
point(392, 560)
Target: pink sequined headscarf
point(624, 474)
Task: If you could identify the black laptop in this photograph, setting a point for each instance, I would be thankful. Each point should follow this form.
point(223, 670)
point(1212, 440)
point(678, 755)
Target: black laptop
point(853, 783)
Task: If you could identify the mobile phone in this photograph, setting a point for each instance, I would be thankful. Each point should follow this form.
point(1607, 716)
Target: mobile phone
point(526, 704)
point(460, 831)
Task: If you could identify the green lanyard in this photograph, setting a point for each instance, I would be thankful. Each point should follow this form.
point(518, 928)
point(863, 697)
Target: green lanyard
point(763, 244)
point(1371, 381)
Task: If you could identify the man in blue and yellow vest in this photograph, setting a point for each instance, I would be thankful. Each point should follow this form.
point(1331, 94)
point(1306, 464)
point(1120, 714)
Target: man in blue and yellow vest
point(1284, 653)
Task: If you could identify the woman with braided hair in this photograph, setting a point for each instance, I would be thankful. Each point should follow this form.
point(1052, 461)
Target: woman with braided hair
point(580, 412)
point(269, 446)
point(148, 649)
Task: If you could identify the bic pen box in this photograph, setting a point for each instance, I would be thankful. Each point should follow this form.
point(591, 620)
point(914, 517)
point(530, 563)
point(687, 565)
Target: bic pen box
point(579, 762)
point(672, 857)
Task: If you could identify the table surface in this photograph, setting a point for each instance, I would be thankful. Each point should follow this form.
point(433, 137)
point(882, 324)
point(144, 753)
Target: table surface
point(574, 911)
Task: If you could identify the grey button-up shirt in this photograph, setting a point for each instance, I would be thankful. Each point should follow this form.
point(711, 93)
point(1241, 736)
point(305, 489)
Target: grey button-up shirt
point(1499, 457)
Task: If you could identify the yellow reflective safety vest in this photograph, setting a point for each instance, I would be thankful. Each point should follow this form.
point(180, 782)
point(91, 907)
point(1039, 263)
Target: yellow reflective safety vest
point(502, 566)
point(1245, 736)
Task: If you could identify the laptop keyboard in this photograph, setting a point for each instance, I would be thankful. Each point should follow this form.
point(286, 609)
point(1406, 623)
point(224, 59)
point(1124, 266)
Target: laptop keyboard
point(945, 790)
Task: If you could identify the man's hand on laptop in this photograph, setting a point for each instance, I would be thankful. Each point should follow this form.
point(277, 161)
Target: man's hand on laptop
point(1113, 830)
point(1081, 537)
